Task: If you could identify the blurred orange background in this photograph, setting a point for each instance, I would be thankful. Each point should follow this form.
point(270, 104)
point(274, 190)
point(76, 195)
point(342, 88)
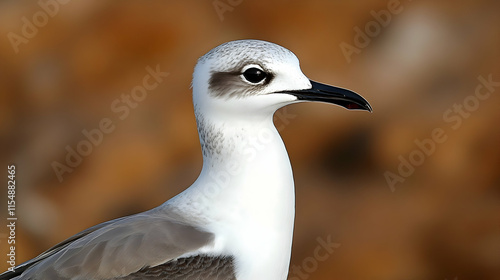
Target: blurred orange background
point(419, 64)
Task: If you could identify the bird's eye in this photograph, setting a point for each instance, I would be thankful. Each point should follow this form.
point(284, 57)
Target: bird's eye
point(254, 75)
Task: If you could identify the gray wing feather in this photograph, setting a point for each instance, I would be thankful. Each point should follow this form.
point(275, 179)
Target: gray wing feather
point(22, 267)
point(119, 248)
point(200, 267)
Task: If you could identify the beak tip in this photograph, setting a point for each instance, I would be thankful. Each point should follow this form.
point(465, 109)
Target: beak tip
point(365, 106)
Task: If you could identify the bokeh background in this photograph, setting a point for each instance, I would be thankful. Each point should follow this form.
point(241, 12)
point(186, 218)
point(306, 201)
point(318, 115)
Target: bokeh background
point(441, 222)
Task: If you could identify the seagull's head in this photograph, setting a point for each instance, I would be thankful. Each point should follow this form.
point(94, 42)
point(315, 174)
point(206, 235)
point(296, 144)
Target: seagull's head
point(258, 77)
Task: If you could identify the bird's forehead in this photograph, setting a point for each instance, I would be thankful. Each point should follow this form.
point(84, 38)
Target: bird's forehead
point(236, 54)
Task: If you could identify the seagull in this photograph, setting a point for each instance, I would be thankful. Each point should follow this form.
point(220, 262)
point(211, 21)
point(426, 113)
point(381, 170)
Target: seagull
point(236, 220)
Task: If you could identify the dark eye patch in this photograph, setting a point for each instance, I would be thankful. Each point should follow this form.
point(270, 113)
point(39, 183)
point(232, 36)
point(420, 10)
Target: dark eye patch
point(231, 84)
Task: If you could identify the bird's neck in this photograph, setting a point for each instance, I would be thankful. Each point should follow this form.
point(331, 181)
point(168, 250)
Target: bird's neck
point(246, 192)
point(246, 157)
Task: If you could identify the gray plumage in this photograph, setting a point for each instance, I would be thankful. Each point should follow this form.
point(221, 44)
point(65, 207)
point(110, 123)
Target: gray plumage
point(133, 247)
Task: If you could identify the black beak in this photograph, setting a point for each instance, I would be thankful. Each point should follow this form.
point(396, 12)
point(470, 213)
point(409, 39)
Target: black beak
point(334, 95)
